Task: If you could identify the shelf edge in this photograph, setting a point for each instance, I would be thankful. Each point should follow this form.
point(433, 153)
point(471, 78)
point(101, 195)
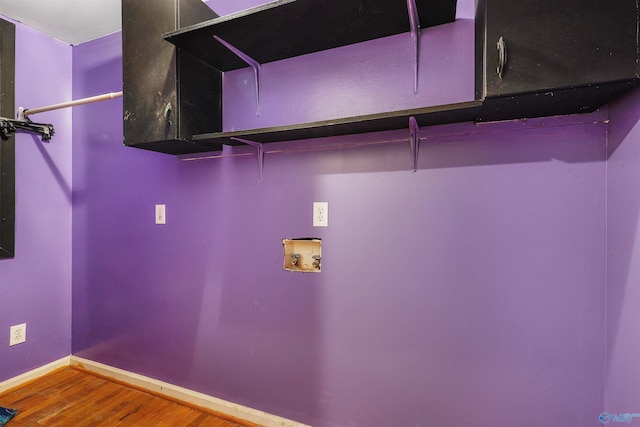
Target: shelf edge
point(427, 116)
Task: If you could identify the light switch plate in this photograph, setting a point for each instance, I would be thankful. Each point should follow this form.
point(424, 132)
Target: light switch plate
point(161, 214)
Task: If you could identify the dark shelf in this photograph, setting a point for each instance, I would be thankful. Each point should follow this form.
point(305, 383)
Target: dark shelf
point(429, 116)
point(289, 28)
point(7, 147)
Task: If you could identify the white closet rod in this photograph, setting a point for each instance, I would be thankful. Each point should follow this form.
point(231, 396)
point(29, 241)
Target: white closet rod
point(97, 98)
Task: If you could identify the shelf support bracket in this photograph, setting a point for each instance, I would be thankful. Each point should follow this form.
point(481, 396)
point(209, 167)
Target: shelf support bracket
point(255, 65)
point(414, 22)
point(414, 141)
point(260, 151)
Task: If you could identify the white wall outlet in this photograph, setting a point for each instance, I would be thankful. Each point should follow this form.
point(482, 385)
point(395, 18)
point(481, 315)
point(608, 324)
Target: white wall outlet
point(320, 214)
point(18, 334)
point(161, 214)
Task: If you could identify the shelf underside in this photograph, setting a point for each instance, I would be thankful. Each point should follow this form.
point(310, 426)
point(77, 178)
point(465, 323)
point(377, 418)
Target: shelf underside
point(442, 114)
point(289, 28)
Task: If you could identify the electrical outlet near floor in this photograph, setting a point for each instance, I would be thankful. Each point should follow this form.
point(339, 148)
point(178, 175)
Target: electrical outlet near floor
point(18, 334)
point(320, 214)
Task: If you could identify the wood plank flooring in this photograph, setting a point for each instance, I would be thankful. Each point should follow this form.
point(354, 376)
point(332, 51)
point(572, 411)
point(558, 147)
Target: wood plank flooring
point(69, 397)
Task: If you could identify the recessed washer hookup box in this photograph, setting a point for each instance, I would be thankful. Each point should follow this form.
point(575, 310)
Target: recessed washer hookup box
point(303, 255)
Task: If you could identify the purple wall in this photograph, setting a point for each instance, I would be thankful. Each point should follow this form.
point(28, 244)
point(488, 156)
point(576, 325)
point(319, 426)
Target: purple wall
point(469, 293)
point(623, 293)
point(36, 284)
point(361, 79)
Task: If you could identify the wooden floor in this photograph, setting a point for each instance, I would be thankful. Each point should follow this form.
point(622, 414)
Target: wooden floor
point(70, 397)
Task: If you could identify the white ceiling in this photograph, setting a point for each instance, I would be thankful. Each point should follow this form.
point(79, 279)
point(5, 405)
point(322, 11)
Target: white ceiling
point(70, 21)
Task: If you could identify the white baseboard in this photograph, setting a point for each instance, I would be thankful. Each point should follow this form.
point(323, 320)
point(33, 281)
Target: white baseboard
point(34, 374)
point(184, 395)
point(158, 387)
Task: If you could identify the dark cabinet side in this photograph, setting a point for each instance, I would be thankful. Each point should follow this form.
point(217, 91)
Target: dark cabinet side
point(169, 95)
point(575, 53)
point(7, 146)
